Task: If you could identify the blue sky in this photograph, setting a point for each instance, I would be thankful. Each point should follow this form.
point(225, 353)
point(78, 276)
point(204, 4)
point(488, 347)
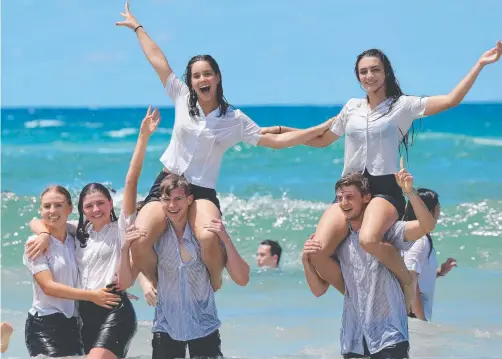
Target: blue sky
point(69, 53)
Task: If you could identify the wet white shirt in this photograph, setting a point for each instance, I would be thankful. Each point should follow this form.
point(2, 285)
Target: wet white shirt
point(373, 136)
point(198, 144)
point(60, 260)
point(98, 260)
point(417, 259)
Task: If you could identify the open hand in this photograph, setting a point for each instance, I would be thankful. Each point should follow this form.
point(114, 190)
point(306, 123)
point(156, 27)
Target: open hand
point(132, 234)
point(150, 122)
point(492, 55)
point(129, 20)
point(37, 246)
point(447, 266)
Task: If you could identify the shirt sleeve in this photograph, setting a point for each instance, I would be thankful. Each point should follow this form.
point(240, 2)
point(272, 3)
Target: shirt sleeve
point(250, 130)
point(395, 236)
point(415, 257)
point(36, 265)
point(124, 223)
point(175, 87)
point(340, 123)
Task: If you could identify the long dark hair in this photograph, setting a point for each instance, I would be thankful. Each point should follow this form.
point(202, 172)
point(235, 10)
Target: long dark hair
point(192, 99)
point(83, 225)
point(431, 201)
point(392, 91)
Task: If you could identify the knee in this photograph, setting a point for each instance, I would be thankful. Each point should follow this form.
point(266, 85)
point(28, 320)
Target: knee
point(368, 241)
point(208, 240)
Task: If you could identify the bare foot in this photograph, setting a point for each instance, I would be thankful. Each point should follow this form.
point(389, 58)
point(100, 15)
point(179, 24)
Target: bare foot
point(5, 333)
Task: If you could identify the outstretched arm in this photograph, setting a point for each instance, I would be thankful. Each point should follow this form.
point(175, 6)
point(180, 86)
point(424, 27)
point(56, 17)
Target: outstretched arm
point(151, 50)
point(297, 137)
point(437, 104)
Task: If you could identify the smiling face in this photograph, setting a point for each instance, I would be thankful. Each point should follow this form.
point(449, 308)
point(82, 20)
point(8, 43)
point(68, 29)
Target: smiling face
point(204, 81)
point(175, 204)
point(55, 209)
point(371, 74)
point(97, 209)
point(352, 202)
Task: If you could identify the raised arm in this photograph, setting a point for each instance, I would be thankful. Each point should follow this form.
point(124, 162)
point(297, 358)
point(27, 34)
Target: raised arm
point(127, 271)
point(437, 104)
point(237, 267)
point(148, 126)
point(152, 52)
point(425, 222)
point(294, 137)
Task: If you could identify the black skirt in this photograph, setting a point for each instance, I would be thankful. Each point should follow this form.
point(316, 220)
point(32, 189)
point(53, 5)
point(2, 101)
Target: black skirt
point(53, 335)
point(111, 329)
point(197, 191)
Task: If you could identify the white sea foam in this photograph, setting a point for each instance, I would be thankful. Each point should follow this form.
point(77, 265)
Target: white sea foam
point(43, 123)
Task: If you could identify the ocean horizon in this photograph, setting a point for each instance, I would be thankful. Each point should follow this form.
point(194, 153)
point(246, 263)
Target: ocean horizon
point(279, 195)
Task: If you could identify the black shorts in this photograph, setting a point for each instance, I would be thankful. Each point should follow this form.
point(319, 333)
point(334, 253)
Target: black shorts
point(396, 351)
point(386, 187)
point(53, 335)
point(111, 329)
point(165, 347)
point(197, 191)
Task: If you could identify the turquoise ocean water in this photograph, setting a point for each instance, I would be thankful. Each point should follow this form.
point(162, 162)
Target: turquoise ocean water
point(276, 194)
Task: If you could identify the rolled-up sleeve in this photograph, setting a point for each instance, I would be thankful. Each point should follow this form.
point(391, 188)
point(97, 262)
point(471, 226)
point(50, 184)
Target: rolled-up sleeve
point(250, 130)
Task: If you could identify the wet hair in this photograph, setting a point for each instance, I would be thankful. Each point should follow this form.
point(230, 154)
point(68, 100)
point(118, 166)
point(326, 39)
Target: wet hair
point(84, 224)
point(173, 181)
point(431, 201)
point(392, 91)
point(192, 99)
point(58, 189)
point(275, 248)
point(354, 179)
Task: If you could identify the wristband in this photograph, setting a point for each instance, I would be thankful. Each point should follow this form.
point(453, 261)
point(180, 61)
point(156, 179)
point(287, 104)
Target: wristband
point(413, 192)
point(45, 233)
point(137, 27)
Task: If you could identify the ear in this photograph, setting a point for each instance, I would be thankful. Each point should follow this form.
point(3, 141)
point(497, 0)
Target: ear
point(276, 257)
point(367, 198)
point(190, 199)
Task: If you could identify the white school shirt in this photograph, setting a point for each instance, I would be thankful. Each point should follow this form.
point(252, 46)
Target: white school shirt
point(186, 307)
point(198, 144)
point(372, 138)
point(60, 260)
point(417, 259)
point(98, 260)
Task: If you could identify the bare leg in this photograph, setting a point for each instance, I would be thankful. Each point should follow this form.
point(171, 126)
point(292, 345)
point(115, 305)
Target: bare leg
point(331, 231)
point(5, 333)
point(152, 218)
point(201, 212)
point(100, 353)
point(379, 216)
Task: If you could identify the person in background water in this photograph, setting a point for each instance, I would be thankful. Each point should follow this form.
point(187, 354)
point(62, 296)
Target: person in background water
point(421, 260)
point(268, 254)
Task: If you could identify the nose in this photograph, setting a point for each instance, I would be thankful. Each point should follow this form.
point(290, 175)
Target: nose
point(95, 208)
